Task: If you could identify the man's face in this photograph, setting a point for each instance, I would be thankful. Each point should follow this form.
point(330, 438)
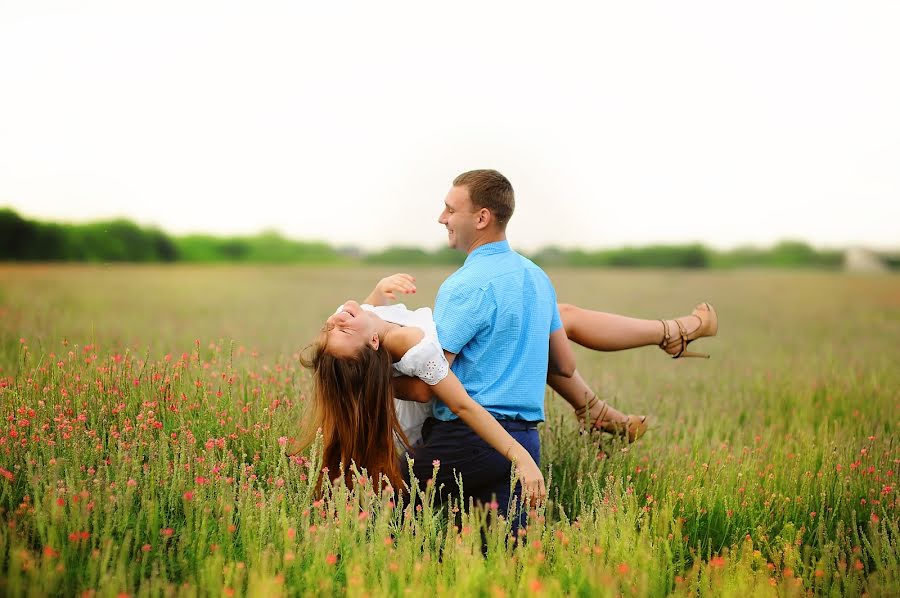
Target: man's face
point(460, 217)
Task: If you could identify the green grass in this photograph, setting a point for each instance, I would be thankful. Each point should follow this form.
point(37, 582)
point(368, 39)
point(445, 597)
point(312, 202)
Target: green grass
point(144, 411)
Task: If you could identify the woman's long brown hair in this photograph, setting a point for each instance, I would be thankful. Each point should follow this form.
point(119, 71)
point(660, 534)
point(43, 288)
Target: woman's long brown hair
point(353, 405)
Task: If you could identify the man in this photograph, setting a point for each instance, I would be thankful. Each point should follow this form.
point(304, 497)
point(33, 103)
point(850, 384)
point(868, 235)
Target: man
point(500, 327)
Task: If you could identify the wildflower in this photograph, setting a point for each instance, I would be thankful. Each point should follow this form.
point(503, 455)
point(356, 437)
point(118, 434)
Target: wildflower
point(188, 495)
point(291, 533)
point(146, 548)
point(331, 559)
point(624, 569)
point(167, 532)
point(875, 518)
point(536, 586)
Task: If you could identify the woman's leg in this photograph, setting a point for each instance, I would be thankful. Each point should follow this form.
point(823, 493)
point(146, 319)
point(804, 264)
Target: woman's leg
point(602, 331)
point(597, 414)
point(577, 393)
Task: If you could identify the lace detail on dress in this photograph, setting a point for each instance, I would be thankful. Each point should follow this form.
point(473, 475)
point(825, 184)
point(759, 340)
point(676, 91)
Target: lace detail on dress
point(433, 371)
point(425, 361)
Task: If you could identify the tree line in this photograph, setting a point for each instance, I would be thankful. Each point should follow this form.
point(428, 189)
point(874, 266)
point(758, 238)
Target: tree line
point(121, 240)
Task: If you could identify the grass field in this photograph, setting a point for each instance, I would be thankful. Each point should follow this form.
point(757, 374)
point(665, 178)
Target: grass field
point(145, 411)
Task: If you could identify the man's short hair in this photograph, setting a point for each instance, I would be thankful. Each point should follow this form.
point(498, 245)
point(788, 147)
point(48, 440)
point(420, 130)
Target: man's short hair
point(489, 189)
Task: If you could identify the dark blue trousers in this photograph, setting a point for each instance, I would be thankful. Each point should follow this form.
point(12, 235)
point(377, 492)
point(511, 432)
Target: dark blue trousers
point(485, 472)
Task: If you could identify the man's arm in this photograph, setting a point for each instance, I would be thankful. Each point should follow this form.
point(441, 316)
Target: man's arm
point(561, 358)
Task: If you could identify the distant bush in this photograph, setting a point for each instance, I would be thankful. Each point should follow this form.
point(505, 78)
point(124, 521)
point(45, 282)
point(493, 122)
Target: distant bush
point(653, 256)
point(268, 247)
point(112, 241)
point(787, 254)
point(124, 241)
point(891, 260)
point(415, 256)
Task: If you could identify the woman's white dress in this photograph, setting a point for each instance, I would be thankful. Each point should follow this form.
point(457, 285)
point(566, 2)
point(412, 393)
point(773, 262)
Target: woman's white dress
point(425, 361)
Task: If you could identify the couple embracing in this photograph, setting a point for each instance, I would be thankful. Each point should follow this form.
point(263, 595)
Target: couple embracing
point(465, 385)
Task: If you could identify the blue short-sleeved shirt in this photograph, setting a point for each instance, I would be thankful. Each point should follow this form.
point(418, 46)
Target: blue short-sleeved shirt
point(496, 313)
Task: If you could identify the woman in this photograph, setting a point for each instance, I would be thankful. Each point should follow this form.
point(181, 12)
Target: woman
point(362, 347)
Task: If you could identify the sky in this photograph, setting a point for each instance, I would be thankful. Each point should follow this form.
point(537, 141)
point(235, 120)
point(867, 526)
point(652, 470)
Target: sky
point(618, 123)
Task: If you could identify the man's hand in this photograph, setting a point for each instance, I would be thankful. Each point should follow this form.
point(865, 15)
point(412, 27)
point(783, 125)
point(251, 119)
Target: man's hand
point(385, 292)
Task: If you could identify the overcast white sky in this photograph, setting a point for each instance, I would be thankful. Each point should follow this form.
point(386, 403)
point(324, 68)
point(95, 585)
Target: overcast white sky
point(617, 123)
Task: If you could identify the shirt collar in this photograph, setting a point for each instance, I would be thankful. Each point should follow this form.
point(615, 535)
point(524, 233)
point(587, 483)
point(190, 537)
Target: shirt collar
point(489, 249)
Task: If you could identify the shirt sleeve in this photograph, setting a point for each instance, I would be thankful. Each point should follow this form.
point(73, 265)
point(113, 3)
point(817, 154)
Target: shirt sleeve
point(425, 361)
point(556, 319)
point(459, 315)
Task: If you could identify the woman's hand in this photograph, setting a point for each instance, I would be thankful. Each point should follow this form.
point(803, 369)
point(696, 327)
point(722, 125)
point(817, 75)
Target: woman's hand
point(451, 392)
point(387, 289)
point(534, 490)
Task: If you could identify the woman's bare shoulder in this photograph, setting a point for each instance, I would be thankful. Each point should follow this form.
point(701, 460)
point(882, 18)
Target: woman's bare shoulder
point(401, 339)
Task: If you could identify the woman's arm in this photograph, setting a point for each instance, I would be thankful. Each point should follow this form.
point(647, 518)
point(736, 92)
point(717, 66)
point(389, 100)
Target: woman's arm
point(452, 393)
point(561, 357)
point(384, 291)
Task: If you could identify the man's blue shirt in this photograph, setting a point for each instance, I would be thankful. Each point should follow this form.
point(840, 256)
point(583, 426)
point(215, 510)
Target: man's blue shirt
point(496, 313)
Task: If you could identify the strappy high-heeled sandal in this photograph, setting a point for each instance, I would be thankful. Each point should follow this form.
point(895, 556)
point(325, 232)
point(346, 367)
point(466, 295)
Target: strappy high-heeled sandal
point(708, 326)
point(633, 428)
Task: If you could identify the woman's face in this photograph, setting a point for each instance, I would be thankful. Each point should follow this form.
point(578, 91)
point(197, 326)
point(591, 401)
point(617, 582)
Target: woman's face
point(347, 331)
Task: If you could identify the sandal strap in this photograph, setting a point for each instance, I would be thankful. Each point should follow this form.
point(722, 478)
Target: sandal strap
point(584, 411)
point(599, 418)
point(684, 339)
point(665, 340)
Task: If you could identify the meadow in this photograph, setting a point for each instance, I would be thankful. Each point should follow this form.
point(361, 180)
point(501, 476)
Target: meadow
point(146, 410)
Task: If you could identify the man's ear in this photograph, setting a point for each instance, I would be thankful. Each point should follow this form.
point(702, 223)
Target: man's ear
point(375, 342)
point(485, 218)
